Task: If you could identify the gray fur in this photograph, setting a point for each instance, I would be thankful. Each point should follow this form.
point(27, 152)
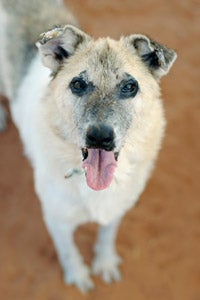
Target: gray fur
point(20, 48)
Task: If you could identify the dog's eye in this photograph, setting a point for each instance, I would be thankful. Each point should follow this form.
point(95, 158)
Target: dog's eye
point(129, 88)
point(78, 86)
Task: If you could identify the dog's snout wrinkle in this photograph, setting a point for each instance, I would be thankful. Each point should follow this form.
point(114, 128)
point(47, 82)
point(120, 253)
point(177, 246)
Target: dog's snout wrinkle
point(100, 136)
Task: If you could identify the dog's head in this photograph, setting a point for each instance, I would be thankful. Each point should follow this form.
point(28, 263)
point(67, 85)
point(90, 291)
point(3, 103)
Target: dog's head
point(100, 89)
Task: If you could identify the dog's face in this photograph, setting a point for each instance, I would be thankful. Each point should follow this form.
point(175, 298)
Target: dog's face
point(100, 88)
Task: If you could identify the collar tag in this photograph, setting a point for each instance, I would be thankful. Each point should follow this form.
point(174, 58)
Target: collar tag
point(72, 172)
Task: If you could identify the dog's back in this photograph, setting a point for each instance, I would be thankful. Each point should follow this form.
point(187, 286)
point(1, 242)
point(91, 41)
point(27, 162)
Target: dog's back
point(21, 22)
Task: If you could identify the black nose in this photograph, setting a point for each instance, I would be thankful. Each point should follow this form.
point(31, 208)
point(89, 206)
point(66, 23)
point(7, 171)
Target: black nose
point(101, 137)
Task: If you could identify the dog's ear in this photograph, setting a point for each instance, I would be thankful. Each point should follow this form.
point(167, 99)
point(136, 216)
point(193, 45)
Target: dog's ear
point(59, 43)
point(156, 57)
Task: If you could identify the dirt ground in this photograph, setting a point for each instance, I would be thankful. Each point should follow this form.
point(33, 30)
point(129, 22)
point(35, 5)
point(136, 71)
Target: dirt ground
point(159, 239)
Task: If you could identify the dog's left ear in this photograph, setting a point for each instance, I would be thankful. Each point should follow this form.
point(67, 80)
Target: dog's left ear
point(156, 57)
point(59, 43)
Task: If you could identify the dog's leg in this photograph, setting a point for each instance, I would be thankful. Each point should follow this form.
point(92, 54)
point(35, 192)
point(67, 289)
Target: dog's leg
point(106, 260)
point(75, 272)
point(2, 117)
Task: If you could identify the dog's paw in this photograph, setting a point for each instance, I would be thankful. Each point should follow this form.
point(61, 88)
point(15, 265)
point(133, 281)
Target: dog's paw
point(80, 277)
point(2, 118)
point(107, 267)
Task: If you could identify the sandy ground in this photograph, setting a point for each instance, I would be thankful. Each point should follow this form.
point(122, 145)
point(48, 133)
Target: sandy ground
point(159, 239)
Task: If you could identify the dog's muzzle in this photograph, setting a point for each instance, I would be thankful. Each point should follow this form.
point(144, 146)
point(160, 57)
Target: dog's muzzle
point(99, 158)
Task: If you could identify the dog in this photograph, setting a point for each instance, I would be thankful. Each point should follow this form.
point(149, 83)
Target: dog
point(90, 116)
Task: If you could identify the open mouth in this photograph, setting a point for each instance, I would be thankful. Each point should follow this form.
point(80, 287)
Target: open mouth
point(85, 154)
point(99, 165)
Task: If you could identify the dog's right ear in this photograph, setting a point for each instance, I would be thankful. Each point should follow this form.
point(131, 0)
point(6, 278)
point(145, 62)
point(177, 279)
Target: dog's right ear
point(59, 43)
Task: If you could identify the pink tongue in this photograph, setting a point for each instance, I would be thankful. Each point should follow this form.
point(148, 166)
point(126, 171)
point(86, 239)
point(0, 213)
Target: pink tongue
point(100, 166)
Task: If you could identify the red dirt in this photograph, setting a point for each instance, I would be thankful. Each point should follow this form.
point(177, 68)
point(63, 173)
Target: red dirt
point(159, 239)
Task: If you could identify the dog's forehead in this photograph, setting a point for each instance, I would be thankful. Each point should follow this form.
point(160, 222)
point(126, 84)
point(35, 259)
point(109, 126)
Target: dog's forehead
point(105, 61)
point(103, 52)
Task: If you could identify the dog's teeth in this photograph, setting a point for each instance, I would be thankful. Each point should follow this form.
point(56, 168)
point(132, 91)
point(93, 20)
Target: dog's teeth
point(85, 170)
